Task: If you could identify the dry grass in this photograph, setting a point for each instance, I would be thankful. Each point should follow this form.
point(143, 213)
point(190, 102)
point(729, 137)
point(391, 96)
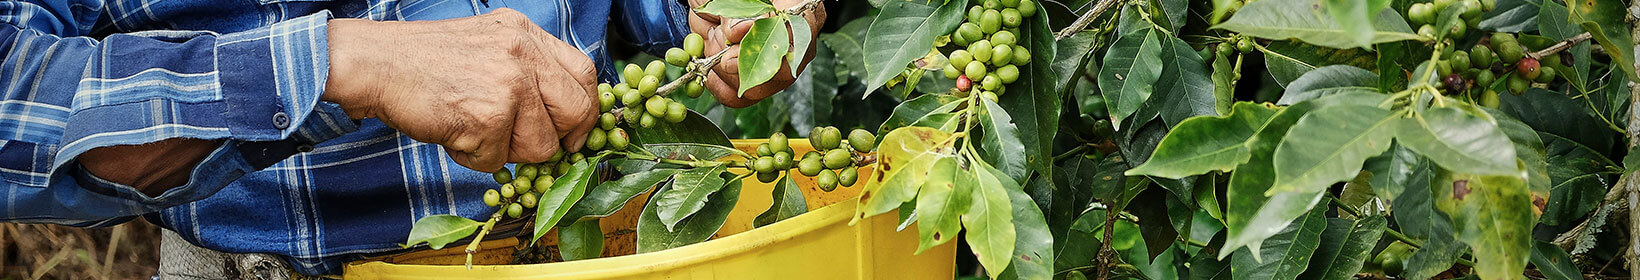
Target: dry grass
point(36, 251)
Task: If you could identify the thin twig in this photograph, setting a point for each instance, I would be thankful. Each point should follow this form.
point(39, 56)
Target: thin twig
point(1086, 19)
point(702, 66)
point(1563, 45)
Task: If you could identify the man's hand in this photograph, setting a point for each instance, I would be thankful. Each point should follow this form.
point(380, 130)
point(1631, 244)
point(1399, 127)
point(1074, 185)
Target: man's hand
point(724, 82)
point(491, 89)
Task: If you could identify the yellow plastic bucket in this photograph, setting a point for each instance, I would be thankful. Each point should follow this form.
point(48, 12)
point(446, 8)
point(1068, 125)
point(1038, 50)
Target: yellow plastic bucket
point(816, 245)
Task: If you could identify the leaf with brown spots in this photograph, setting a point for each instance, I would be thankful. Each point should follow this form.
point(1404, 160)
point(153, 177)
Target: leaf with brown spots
point(905, 156)
point(942, 200)
point(1493, 214)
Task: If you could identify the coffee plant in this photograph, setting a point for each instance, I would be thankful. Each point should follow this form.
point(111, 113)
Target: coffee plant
point(1146, 139)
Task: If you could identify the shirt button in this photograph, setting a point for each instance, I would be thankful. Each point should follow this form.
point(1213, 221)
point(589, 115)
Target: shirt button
point(304, 148)
point(280, 120)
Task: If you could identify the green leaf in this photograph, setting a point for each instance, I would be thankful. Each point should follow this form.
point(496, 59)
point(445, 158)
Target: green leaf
point(1345, 246)
point(610, 196)
point(1329, 146)
point(1128, 75)
point(1559, 114)
point(910, 111)
point(1184, 89)
point(1033, 256)
point(1493, 214)
point(1531, 152)
point(581, 240)
point(1302, 20)
point(438, 230)
point(1222, 8)
point(1252, 216)
point(1328, 80)
point(1355, 18)
point(1205, 266)
point(1579, 181)
point(1393, 172)
point(942, 201)
point(990, 223)
point(1553, 262)
point(1513, 16)
point(1225, 76)
point(737, 8)
point(802, 34)
point(903, 31)
point(1075, 52)
point(1001, 142)
point(1459, 138)
point(1605, 20)
point(787, 202)
point(1031, 101)
point(848, 42)
point(1450, 18)
point(762, 51)
point(653, 235)
point(1287, 60)
point(695, 128)
point(1287, 252)
point(1202, 144)
point(1416, 216)
point(565, 192)
point(1176, 10)
point(687, 193)
point(904, 157)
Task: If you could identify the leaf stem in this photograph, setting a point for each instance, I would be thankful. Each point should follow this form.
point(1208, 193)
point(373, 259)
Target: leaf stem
point(473, 247)
point(1070, 153)
point(701, 67)
point(684, 162)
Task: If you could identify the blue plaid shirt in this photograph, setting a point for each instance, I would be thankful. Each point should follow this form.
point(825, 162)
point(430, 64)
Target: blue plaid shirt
point(294, 176)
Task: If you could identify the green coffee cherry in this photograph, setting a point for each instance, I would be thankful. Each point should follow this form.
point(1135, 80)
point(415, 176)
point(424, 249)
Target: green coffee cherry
point(617, 139)
point(1022, 56)
point(830, 138)
point(632, 74)
point(1518, 85)
point(1426, 31)
point(969, 32)
point(596, 139)
point(528, 200)
point(782, 160)
point(676, 112)
point(1457, 31)
point(1008, 73)
point(526, 171)
point(557, 155)
point(862, 140)
point(632, 114)
point(779, 143)
point(974, 13)
point(1010, 3)
point(648, 84)
point(606, 101)
point(1419, 13)
point(677, 57)
point(543, 183)
point(606, 121)
point(763, 164)
point(656, 106)
point(990, 82)
point(605, 87)
point(694, 45)
point(1245, 44)
point(1489, 99)
point(990, 4)
point(1508, 50)
point(1460, 60)
point(990, 21)
point(492, 197)
point(507, 190)
point(981, 50)
point(814, 155)
point(1472, 9)
point(514, 210)
point(763, 150)
point(1003, 38)
point(655, 69)
point(960, 58)
point(1027, 8)
point(647, 120)
point(694, 89)
point(523, 185)
point(827, 180)
point(768, 177)
point(989, 95)
point(951, 72)
point(848, 177)
point(1002, 54)
point(502, 176)
point(1551, 60)
point(810, 166)
point(1484, 79)
point(632, 98)
point(1011, 17)
point(975, 70)
point(1480, 56)
point(837, 158)
point(1546, 75)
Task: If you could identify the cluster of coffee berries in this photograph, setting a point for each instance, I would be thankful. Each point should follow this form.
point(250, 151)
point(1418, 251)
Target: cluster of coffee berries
point(641, 96)
point(990, 57)
point(831, 163)
point(1426, 15)
point(1500, 56)
point(523, 190)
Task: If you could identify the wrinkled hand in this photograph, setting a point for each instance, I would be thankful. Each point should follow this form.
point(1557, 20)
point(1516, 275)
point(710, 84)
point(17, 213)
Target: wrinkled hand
point(724, 82)
point(491, 88)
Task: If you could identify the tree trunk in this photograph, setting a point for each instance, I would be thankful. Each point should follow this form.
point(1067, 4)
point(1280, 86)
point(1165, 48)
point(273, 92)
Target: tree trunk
point(1633, 186)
